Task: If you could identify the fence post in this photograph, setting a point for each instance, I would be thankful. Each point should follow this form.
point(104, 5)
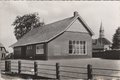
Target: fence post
point(35, 68)
point(6, 69)
point(8, 66)
point(89, 72)
point(19, 67)
point(57, 71)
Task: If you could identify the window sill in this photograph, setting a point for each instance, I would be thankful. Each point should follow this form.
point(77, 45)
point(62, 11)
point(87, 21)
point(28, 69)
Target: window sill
point(78, 54)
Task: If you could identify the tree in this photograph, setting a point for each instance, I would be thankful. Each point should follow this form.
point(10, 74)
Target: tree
point(116, 39)
point(25, 23)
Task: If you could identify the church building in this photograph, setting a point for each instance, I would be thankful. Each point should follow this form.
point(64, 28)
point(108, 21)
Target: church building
point(101, 44)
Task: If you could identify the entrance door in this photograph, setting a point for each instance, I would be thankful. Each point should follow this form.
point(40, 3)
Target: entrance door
point(23, 52)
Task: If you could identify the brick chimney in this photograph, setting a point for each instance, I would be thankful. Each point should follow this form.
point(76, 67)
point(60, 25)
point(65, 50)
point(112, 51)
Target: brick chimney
point(76, 13)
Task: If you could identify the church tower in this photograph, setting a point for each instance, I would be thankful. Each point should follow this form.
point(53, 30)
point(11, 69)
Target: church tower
point(101, 31)
point(101, 44)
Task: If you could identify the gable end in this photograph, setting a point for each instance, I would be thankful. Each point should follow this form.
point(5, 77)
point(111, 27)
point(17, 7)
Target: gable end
point(77, 26)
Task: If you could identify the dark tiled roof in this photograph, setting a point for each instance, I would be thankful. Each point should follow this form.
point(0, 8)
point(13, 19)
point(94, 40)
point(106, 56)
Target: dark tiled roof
point(47, 32)
point(42, 34)
point(102, 41)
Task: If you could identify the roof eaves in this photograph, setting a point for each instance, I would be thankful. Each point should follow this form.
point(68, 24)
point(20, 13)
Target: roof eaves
point(27, 44)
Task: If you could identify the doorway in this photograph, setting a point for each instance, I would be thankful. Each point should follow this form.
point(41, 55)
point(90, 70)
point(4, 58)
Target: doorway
point(23, 52)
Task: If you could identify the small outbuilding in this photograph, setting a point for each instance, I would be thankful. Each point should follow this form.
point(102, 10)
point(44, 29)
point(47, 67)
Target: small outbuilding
point(2, 51)
point(67, 38)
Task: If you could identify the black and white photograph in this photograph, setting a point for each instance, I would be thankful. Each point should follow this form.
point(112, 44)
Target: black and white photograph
point(59, 40)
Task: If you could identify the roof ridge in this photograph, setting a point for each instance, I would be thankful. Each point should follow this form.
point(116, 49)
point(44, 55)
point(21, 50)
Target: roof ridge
point(59, 20)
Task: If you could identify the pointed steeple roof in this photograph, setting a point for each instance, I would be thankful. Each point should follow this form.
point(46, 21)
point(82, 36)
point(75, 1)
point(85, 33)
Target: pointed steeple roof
point(101, 32)
point(101, 27)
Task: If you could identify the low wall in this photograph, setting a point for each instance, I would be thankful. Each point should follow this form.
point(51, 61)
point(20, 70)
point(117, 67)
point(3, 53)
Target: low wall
point(112, 54)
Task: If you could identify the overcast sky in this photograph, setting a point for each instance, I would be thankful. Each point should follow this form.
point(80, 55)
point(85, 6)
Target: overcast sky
point(93, 12)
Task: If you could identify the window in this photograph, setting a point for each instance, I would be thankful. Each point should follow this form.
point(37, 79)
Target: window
point(29, 47)
point(77, 47)
point(2, 48)
point(17, 49)
point(39, 49)
point(70, 47)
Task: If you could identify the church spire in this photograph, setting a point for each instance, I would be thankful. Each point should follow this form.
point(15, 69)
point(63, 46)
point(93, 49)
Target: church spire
point(101, 32)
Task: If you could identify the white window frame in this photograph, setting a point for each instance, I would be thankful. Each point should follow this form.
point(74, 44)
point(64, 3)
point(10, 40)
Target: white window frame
point(29, 47)
point(81, 48)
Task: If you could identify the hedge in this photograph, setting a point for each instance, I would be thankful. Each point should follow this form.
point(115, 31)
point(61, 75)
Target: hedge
point(111, 54)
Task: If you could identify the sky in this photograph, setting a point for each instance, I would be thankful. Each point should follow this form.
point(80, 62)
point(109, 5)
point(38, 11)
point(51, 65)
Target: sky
point(93, 13)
